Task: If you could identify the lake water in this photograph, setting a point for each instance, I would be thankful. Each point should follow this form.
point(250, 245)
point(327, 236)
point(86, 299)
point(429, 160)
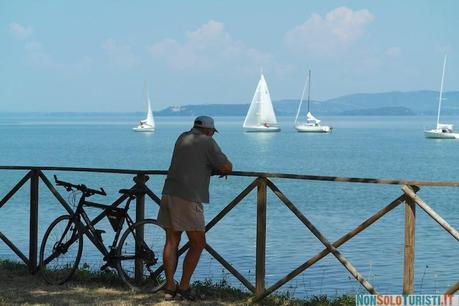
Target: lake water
point(376, 147)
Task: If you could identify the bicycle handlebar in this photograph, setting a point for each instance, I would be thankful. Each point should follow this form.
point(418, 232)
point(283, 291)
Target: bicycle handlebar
point(81, 187)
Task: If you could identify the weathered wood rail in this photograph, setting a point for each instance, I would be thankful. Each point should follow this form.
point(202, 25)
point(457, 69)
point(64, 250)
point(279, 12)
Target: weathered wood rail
point(262, 182)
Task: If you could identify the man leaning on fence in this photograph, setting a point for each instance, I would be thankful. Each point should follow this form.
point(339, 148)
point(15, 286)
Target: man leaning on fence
point(195, 158)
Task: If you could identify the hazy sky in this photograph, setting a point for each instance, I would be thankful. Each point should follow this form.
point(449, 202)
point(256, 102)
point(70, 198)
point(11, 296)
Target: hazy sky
point(96, 55)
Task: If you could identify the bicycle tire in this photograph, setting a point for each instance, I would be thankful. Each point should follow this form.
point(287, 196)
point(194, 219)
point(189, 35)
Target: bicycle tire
point(60, 268)
point(149, 253)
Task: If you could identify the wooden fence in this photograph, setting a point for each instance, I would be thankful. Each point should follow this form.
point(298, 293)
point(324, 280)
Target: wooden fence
point(262, 182)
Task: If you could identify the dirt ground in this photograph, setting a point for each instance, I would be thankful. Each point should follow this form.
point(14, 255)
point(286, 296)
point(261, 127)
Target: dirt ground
point(18, 287)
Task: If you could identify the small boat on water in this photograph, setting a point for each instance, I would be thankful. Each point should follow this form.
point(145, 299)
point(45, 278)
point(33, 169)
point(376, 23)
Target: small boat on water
point(443, 130)
point(148, 124)
point(312, 124)
point(260, 116)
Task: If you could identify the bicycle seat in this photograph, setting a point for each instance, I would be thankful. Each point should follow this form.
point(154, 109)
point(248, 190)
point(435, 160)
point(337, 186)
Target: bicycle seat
point(132, 191)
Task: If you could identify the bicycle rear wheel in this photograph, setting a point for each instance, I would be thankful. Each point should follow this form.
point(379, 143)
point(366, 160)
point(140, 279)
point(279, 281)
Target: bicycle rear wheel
point(60, 251)
point(147, 252)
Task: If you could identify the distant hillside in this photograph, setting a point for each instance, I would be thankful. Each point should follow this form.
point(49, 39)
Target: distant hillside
point(208, 109)
point(380, 111)
point(419, 102)
point(379, 104)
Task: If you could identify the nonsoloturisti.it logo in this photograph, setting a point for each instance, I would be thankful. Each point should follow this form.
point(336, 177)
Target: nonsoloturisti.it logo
point(407, 300)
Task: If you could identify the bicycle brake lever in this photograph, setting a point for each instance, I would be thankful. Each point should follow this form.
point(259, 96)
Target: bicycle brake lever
point(103, 191)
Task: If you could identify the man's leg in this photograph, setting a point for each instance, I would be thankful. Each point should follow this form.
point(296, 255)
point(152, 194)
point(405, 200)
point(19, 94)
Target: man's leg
point(170, 256)
point(197, 244)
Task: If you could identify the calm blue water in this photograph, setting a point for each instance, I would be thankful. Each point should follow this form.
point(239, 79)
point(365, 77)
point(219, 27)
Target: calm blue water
point(377, 147)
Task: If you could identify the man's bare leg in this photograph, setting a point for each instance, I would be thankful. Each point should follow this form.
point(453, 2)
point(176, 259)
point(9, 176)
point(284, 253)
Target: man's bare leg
point(197, 244)
point(170, 256)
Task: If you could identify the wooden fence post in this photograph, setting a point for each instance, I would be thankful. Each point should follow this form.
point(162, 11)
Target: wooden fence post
point(33, 227)
point(140, 179)
point(408, 266)
point(261, 237)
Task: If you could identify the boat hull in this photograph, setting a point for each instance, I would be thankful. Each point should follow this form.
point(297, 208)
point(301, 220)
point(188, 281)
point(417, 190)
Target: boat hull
point(139, 129)
point(262, 129)
point(433, 134)
point(313, 129)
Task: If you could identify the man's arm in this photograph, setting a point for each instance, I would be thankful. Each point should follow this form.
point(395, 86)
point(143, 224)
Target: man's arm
point(226, 168)
point(220, 163)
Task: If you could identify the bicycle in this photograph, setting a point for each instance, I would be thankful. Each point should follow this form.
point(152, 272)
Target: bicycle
point(133, 255)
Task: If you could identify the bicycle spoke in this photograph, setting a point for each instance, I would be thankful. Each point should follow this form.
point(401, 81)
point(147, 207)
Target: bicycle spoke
point(60, 251)
point(147, 253)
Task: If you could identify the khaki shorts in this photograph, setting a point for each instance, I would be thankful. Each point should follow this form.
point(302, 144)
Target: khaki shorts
point(181, 215)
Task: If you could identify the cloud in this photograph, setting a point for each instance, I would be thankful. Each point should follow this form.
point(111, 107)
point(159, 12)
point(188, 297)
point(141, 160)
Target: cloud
point(35, 50)
point(443, 49)
point(339, 29)
point(39, 56)
point(19, 31)
point(120, 55)
point(33, 46)
point(207, 48)
point(83, 64)
point(393, 52)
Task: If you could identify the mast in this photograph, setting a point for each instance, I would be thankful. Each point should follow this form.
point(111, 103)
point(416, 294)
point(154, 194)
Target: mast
point(309, 87)
point(147, 94)
point(301, 100)
point(441, 90)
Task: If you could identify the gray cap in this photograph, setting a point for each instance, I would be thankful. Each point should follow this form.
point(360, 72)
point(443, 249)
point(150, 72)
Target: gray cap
point(205, 122)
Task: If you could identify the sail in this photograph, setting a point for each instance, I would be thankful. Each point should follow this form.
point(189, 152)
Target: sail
point(445, 126)
point(261, 110)
point(311, 119)
point(149, 120)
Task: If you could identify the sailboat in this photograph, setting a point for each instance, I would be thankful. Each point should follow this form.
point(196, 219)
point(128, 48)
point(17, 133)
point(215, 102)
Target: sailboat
point(312, 124)
point(443, 130)
point(148, 124)
point(260, 116)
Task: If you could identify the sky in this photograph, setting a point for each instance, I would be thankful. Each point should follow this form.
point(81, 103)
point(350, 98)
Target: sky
point(97, 56)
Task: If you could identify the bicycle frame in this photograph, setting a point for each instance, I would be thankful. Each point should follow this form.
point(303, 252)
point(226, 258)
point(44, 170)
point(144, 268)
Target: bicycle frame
point(87, 228)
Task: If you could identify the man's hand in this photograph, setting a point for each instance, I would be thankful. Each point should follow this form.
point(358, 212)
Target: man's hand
point(226, 168)
point(223, 171)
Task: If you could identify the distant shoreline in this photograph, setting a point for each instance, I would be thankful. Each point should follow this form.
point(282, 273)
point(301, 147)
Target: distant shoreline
point(415, 103)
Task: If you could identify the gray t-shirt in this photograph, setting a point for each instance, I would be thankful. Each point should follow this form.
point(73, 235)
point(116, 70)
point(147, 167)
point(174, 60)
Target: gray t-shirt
point(195, 156)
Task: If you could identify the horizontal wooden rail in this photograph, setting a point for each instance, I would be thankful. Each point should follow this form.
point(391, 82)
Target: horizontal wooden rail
point(384, 181)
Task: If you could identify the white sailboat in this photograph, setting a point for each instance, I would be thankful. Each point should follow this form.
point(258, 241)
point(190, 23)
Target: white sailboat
point(148, 124)
point(312, 124)
point(260, 116)
point(443, 130)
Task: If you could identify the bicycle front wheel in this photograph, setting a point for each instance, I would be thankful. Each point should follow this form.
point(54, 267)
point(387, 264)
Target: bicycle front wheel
point(140, 250)
point(60, 251)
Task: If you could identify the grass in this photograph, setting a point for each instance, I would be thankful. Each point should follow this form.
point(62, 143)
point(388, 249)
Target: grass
point(19, 287)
